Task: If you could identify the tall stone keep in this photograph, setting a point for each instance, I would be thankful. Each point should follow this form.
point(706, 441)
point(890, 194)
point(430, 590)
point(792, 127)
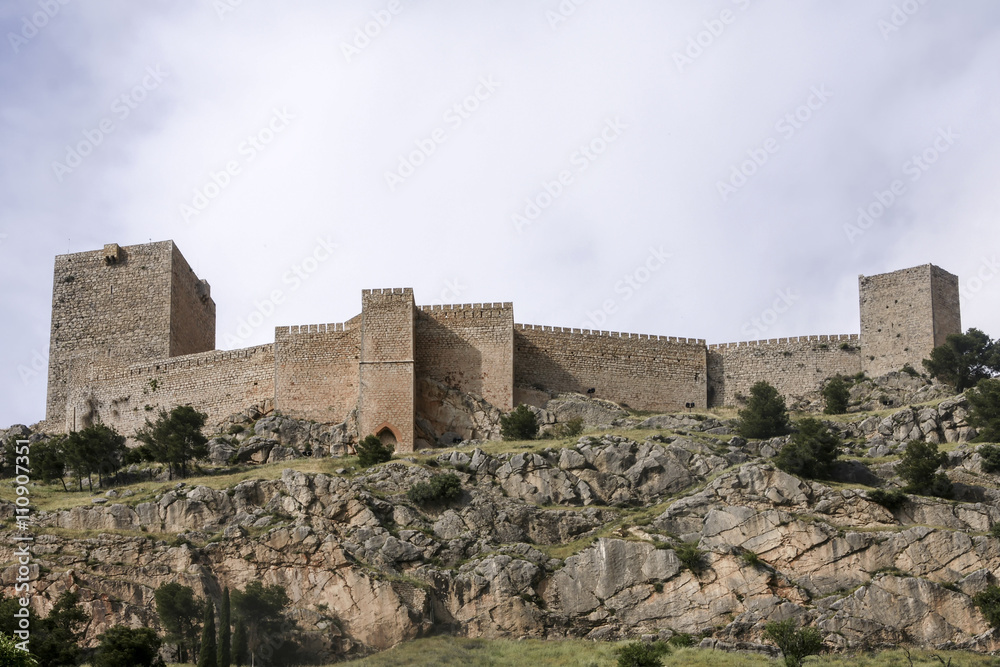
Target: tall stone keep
point(904, 315)
point(117, 306)
point(387, 380)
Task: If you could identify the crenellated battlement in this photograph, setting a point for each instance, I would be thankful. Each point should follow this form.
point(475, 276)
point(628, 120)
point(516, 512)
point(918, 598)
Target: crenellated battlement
point(608, 334)
point(833, 338)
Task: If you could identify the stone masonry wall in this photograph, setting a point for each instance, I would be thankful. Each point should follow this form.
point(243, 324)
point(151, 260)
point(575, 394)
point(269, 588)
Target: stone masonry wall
point(902, 315)
point(109, 306)
point(794, 366)
point(469, 348)
point(387, 380)
point(317, 371)
point(218, 383)
point(643, 372)
point(192, 311)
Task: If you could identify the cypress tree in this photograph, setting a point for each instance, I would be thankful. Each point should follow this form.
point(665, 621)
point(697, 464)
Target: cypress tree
point(240, 648)
point(225, 659)
point(206, 658)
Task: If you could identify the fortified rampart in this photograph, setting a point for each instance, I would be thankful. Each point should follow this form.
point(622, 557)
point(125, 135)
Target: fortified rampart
point(133, 332)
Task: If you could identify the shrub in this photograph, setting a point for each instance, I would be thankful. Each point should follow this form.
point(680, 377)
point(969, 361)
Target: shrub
point(640, 654)
point(128, 647)
point(891, 500)
point(811, 452)
point(751, 558)
point(984, 410)
point(995, 530)
point(691, 556)
point(988, 601)
point(440, 490)
point(236, 428)
point(371, 451)
point(964, 359)
point(519, 424)
point(570, 429)
point(837, 395)
point(765, 415)
point(12, 656)
point(794, 644)
point(681, 640)
point(910, 370)
point(919, 468)
point(991, 458)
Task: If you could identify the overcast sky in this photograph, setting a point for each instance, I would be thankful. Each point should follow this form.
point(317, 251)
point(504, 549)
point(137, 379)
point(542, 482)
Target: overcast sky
point(656, 167)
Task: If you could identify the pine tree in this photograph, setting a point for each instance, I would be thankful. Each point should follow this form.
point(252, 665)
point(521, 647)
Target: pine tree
point(207, 656)
point(225, 659)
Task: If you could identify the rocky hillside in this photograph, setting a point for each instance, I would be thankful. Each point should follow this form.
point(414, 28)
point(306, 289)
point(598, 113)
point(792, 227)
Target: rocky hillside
point(653, 526)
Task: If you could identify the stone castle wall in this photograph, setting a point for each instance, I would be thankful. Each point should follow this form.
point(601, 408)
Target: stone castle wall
point(643, 372)
point(469, 348)
point(317, 370)
point(904, 314)
point(192, 311)
point(794, 366)
point(218, 383)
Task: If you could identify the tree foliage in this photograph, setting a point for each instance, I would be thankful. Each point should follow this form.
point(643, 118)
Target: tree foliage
point(225, 626)
point(179, 612)
point(12, 656)
point(371, 451)
point(208, 652)
point(641, 654)
point(241, 652)
point(984, 410)
point(837, 395)
point(259, 609)
point(811, 452)
point(128, 647)
point(919, 465)
point(795, 644)
point(964, 359)
point(988, 601)
point(439, 490)
point(96, 450)
point(519, 424)
point(55, 640)
point(765, 415)
point(175, 438)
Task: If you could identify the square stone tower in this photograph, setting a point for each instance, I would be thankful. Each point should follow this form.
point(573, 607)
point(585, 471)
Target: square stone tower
point(906, 314)
point(387, 380)
point(118, 306)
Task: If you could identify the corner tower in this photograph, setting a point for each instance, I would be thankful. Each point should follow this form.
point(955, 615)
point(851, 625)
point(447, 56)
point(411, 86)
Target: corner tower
point(121, 305)
point(386, 391)
point(906, 314)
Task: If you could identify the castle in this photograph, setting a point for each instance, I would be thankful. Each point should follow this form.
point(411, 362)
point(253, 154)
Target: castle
point(133, 331)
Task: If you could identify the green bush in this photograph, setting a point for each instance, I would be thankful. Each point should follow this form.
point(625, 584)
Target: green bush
point(519, 424)
point(751, 558)
point(995, 530)
point(964, 359)
point(12, 656)
point(984, 410)
point(570, 429)
point(640, 654)
point(127, 647)
point(681, 640)
point(910, 370)
point(891, 500)
point(371, 451)
point(440, 490)
point(765, 415)
point(811, 452)
point(837, 395)
point(991, 458)
point(794, 644)
point(918, 467)
point(690, 556)
point(988, 601)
